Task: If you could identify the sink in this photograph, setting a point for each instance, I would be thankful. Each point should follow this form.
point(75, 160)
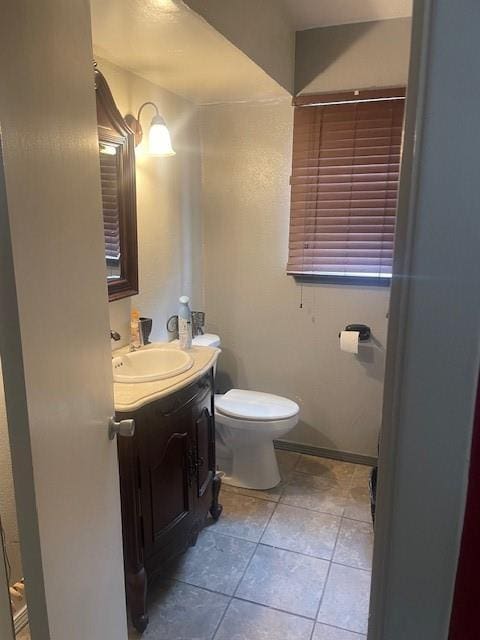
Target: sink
point(147, 365)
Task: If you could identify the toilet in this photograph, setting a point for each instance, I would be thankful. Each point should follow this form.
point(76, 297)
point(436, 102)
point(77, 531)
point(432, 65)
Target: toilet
point(246, 424)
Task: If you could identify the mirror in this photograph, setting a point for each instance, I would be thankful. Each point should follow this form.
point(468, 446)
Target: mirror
point(117, 171)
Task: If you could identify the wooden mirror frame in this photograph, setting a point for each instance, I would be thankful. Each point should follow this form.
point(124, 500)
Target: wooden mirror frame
point(113, 129)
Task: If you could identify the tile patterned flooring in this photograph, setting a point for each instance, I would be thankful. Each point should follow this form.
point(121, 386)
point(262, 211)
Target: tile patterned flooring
point(292, 563)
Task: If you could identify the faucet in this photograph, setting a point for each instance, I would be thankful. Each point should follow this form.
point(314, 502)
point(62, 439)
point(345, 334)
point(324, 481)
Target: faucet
point(114, 335)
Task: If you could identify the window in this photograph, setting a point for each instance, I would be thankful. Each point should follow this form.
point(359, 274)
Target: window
point(346, 162)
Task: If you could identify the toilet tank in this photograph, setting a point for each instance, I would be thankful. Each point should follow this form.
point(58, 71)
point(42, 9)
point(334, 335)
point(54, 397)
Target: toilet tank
point(208, 340)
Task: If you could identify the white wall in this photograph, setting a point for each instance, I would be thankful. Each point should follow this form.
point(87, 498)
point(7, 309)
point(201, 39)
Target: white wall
point(268, 342)
point(353, 56)
point(8, 511)
point(168, 211)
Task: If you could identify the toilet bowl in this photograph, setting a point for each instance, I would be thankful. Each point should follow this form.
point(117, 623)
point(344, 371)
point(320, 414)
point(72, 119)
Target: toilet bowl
point(246, 424)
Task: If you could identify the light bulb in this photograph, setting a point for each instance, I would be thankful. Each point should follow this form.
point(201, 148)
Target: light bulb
point(159, 141)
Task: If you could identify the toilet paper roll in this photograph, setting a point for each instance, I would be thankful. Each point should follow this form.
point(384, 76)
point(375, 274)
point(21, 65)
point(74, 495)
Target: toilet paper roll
point(349, 341)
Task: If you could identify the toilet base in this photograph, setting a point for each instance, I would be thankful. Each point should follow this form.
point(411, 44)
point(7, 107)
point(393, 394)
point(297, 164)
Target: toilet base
point(252, 467)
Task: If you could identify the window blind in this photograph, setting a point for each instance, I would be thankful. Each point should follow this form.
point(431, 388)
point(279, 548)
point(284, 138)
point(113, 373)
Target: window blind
point(111, 213)
point(344, 184)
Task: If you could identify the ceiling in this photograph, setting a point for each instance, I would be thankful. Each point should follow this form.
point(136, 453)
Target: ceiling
point(164, 41)
point(167, 43)
point(307, 14)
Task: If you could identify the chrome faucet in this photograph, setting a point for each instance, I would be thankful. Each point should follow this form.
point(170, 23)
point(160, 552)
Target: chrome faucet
point(114, 335)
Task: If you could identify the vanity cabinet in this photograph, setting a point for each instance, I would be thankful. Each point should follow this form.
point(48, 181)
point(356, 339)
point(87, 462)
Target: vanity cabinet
point(168, 484)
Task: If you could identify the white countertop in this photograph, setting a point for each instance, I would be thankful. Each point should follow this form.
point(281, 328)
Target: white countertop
point(131, 396)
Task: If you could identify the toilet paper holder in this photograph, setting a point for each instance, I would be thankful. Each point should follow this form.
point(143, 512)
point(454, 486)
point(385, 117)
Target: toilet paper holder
point(364, 331)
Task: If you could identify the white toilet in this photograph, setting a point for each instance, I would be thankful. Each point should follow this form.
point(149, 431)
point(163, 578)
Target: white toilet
point(247, 423)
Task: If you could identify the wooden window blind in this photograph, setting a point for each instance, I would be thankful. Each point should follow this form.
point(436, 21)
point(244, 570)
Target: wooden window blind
point(110, 203)
point(346, 163)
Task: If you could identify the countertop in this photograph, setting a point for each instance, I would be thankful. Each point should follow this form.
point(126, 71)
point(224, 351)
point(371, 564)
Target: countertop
point(131, 396)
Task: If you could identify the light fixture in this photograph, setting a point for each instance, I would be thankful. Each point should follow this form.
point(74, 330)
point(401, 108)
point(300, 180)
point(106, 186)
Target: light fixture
point(159, 141)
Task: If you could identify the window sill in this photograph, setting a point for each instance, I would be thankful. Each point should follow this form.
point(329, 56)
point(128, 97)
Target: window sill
point(361, 281)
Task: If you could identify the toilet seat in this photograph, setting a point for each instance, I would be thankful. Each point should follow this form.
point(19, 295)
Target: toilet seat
point(255, 406)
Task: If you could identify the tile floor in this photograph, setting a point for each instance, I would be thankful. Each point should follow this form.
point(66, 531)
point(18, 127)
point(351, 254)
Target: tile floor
point(292, 563)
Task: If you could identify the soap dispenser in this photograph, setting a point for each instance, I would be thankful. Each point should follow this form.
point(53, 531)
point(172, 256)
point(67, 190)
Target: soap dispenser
point(185, 323)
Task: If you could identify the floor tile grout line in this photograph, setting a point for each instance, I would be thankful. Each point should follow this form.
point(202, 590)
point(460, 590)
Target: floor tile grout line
point(273, 546)
point(326, 579)
point(202, 587)
point(334, 626)
point(260, 604)
point(325, 512)
point(255, 550)
point(329, 513)
point(341, 518)
point(355, 520)
point(267, 606)
point(295, 615)
point(349, 566)
point(298, 553)
point(344, 564)
point(270, 546)
point(287, 483)
point(243, 574)
point(222, 618)
point(321, 599)
point(337, 538)
point(338, 515)
point(248, 495)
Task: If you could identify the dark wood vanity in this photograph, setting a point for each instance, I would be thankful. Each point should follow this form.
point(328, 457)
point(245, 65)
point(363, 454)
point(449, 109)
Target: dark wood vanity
point(168, 484)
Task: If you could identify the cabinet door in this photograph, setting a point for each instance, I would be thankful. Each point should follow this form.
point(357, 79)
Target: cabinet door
point(166, 487)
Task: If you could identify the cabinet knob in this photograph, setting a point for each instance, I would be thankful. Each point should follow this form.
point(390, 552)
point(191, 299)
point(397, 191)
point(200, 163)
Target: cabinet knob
point(125, 428)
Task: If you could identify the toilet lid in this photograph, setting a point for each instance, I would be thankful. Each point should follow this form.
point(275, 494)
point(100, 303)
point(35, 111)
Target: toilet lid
point(254, 405)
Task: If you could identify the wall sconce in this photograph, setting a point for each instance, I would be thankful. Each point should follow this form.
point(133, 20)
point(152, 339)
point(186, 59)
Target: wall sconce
point(159, 141)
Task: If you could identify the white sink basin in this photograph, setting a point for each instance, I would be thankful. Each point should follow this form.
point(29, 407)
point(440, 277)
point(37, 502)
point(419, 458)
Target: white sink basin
point(146, 365)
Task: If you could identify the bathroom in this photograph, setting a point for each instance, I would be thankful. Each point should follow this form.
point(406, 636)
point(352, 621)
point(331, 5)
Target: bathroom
point(260, 520)
point(226, 198)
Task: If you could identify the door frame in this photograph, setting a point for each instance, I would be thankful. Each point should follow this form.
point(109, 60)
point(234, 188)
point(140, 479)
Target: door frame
point(17, 414)
point(433, 353)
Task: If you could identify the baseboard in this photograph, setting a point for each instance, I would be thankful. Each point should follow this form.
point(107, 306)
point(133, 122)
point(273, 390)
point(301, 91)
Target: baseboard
point(344, 456)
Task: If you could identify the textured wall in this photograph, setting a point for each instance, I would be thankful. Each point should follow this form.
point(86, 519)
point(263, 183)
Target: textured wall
point(168, 215)
point(353, 56)
point(268, 342)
